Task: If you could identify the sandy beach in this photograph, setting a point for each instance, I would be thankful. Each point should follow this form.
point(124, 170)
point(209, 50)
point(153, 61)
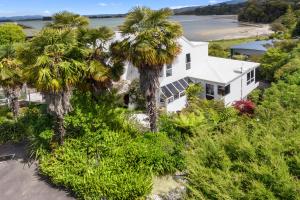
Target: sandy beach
point(196, 28)
point(244, 31)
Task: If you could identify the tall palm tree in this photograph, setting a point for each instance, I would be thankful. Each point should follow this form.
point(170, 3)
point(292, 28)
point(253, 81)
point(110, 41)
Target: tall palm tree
point(67, 19)
point(11, 76)
point(10, 67)
point(102, 68)
point(150, 41)
point(54, 66)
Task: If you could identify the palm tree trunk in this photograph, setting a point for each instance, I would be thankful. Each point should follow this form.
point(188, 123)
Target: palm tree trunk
point(58, 106)
point(13, 96)
point(60, 131)
point(149, 83)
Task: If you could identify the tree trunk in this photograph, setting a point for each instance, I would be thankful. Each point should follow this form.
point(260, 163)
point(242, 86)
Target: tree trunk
point(59, 129)
point(149, 83)
point(58, 106)
point(13, 96)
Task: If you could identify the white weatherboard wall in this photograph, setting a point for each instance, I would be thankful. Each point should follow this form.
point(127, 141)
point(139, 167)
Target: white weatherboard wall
point(240, 89)
point(198, 51)
point(177, 105)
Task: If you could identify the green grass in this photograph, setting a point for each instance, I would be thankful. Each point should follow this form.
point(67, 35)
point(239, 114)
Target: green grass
point(226, 44)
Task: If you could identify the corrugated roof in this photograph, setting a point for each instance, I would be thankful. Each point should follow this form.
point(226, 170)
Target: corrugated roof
point(220, 70)
point(262, 45)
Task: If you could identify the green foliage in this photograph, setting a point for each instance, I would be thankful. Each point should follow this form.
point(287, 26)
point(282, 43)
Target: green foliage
point(248, 158)
point(285, 25)
point(263, 11)
point(104, 155)
point(136, 95)
point(296, 32)
point(31, 123)
point(67, 19)
point(193, 92)
point(219, 9)
point(272, 60)
point(11, 33)
point(218, 51)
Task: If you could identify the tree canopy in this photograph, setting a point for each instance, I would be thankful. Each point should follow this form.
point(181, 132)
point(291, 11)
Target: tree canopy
point(11, 33)
point(259, 11)
point(67, 19)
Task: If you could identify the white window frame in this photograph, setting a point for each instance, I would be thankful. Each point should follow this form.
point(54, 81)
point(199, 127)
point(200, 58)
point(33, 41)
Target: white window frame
point(250, 77)
point(169, 70)
point(207, 94)
point(188, 63)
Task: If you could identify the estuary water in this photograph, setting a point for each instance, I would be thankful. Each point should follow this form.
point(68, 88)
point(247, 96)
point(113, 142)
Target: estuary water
point(204, 28)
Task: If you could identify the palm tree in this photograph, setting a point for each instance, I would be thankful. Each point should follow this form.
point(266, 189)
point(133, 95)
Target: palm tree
point(67, 19)
point(10, 68)
point(102, 68)
point(11, 76)
point(54, 66)
point(150, 42)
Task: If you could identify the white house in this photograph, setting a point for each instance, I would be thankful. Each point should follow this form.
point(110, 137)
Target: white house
point(222, 79)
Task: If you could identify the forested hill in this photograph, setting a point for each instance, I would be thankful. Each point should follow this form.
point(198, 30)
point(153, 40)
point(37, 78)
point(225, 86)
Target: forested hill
point(266, 11)
point(228, 7)
point(260, 11)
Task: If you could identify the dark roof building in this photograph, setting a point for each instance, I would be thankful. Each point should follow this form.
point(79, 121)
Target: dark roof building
point(252, 48)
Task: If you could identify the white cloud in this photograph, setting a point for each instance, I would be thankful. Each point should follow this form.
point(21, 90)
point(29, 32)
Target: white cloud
point(103, 4)
point(213, 1)
point(177, 7)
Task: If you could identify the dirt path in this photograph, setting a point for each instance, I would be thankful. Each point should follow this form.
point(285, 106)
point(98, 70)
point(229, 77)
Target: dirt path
point(20, 181)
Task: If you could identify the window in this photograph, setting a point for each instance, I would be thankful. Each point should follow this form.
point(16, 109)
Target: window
point(250, 77)
point(223, 91)
point(210, 92)
point(169, 70)
point(188, 61)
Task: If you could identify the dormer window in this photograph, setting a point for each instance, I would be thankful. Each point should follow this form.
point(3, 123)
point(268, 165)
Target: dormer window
point(169, 70)
point(188, 61)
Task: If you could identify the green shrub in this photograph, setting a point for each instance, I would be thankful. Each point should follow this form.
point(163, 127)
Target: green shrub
point(104, 156)
point(237, 157)
point(32, 122)
point(111, 165)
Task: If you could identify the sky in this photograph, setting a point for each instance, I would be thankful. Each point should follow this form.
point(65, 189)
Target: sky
point(48, 7)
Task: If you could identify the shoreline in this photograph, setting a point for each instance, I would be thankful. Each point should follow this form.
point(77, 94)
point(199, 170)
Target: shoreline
point(240, 32)
point(199, 32)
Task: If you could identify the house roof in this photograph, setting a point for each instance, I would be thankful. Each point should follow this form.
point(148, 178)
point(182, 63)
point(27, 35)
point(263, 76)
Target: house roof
point(220, 70)
point(256, 45)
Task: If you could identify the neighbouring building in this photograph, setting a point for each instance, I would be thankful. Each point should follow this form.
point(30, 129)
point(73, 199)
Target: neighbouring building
point(222, 79)
point(255, 48)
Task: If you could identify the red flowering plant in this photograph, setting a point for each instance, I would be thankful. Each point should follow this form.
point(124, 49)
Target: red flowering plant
point(245, 107)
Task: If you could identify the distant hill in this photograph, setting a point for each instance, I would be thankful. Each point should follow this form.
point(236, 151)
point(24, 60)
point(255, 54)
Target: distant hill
point(47, 18)
point(21, 18)
point(235, 2)
point(225, 8)
point(187, 9)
